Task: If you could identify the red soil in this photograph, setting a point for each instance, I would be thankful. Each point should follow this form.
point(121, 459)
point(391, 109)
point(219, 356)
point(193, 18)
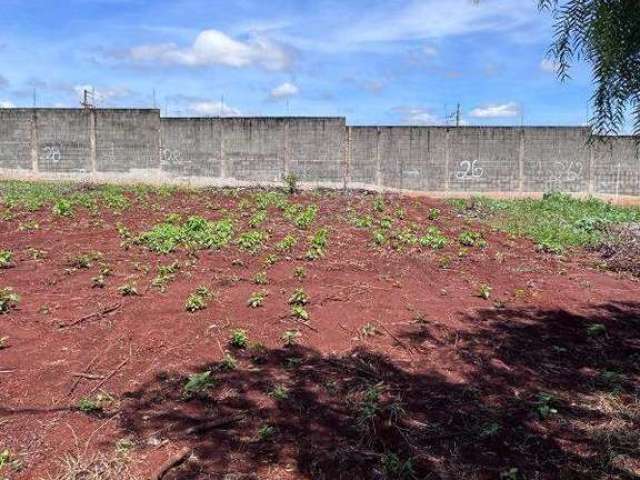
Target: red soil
point(467, 372)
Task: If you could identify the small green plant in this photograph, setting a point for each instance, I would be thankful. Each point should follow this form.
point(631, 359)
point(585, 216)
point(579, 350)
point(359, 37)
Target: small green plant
point(228, 362)
point(63, 208)
point(258, 218)
point(256, 299)
point(271, 259)
point(511, 474)
point(251, 241)
point(290, 337)
point(129, 289)
point(363, 222)
point(318, 244)
point(400, 214)
point(266, 432)
point(297, 311)
point(484, 291)
point(287, 243)
point(166, 274)
point(434, 214)
point(394, 468)
point(433, 238)
point(291, 183)
point(279, 392)
point(369, 330)
point(94, 404)
point(123, 232)
point(370, 404)
point(260, 278)
point(299, 297)
point(173, 219)
point(596, 330)
point(300, 273)
point(99, 281)
point(301, 217)
point(471, 239)
point(378, 204)
point(198, 383)
point(198, 300)
point(5, 258)
point(84, 260)
point(8, 300)
point(379, 238)
point(239, 338)
point(545, 405)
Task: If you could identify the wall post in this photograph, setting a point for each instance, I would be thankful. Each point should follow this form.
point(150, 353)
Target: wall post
point(447, 155)
point(35, 147)
point(378, 162)
point(347, 160)
point(92, 141)
point(223, 160)
point(521, 162)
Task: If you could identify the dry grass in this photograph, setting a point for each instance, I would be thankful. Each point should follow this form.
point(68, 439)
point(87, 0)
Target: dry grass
point(95, 467)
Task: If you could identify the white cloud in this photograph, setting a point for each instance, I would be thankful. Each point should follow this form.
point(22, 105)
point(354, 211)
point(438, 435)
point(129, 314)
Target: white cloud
point(549, 66)
point(212, 109)
point(504, 110)
point(417, 116)
point(212, 47)
point(6, 104)
point(285, 90)
point(101, 95)
point(430, 51)
point(431, 19)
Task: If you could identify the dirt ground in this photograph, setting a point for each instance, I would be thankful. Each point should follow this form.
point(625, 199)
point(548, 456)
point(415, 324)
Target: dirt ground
point(403, 369)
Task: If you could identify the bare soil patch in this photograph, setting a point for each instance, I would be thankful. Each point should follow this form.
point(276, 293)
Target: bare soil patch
point(463, 362)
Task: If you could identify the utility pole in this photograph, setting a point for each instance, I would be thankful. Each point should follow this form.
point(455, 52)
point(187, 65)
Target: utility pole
point(35, 97)
point(457, 115)
point(87, 99)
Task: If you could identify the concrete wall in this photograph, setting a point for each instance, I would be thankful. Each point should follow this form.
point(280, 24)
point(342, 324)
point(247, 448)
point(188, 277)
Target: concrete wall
point(126, 145)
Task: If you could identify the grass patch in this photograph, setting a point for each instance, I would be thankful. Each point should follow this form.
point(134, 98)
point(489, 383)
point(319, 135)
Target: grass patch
point(555, 222)
point(196, 233)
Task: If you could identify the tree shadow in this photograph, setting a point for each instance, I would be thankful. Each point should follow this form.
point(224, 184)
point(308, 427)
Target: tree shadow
point(522, 408)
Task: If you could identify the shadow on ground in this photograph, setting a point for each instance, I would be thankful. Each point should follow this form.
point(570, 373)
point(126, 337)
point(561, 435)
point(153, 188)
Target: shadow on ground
point(541, 395)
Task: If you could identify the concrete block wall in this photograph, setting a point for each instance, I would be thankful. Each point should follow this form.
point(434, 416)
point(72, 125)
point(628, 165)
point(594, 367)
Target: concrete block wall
point(128, 145)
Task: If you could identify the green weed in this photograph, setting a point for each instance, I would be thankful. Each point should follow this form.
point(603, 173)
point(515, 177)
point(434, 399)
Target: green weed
point(239, 338)
point(198, 300)
point(8, 300)
point(5, 258)
point(251, 241)
point(256, 299)
point(198, 383)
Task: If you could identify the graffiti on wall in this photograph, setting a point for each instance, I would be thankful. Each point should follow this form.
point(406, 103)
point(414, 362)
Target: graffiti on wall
point(469, 170)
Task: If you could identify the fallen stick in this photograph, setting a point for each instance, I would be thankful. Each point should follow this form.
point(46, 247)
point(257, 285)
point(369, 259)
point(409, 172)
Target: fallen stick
point(88, 376)
point(88, 367)
point(220, 422)
point(99, 314)
point(402, 344)
point(7, 371)
point(113, 372)
point(174, 461)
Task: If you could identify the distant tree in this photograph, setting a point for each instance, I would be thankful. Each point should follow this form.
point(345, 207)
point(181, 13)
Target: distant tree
point(606, 35)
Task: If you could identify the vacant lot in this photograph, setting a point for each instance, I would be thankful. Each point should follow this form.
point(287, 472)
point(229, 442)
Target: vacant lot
point(160, 333)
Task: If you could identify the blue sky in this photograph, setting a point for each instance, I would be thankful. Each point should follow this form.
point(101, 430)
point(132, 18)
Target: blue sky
point(375, 62)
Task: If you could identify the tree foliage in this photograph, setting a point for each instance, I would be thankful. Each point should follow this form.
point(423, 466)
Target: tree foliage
point(606, 35)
